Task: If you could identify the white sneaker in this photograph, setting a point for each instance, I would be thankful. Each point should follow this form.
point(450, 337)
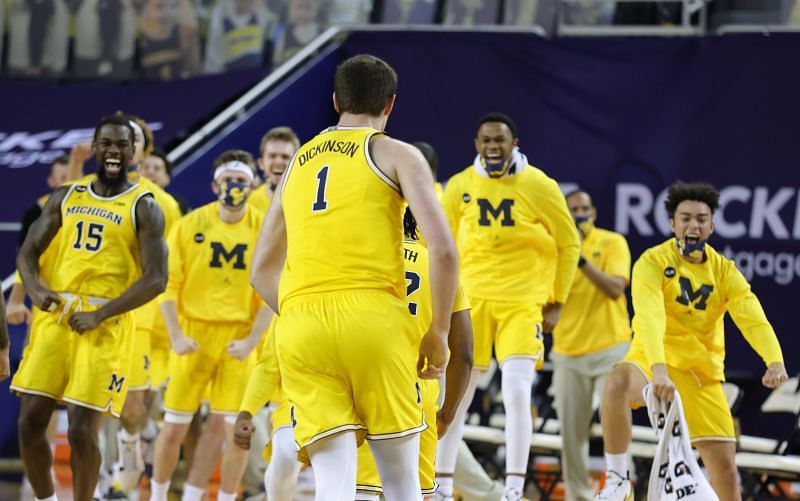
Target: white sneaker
point(441, 497)
point(130, 466)
point(512, 494)
point(617, 488)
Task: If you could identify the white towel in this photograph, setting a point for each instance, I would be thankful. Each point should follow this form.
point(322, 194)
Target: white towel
point(675, 474)
point(518, 163)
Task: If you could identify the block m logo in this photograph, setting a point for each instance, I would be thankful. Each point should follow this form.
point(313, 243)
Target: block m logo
point(236, 255)
point(501, 212)
point(116, 383)
point(689, 295)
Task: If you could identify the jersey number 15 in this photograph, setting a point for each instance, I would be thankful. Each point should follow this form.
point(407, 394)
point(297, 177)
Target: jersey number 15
point(91, 239)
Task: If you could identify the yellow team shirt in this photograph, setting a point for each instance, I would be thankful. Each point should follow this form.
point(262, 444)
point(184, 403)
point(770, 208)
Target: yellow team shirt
point(266, 375)
point(209, 266)
point(98, 249)
point(261, 199)
point(148, 317)
point(591, 321)
point(516, 238)
point(679, 310)
point(343, 218)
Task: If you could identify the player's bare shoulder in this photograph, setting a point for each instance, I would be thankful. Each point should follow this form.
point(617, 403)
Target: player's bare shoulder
point(391, 154)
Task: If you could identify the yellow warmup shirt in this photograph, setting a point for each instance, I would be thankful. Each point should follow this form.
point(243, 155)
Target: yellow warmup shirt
point(591, 321)
point(679, 309)
point(209, 266)
point(516, 238)
point(265, 381)
point(148, 317)
point(343, 218)
point(260, 199)
point(98, 249)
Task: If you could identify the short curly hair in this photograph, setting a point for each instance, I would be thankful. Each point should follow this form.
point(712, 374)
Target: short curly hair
point(699, 192)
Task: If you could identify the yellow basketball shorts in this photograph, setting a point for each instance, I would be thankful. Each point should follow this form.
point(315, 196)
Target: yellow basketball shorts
point(348, 363)
point(89, 370)
point(159, 355)
point(513, 328)
point(708, 416)
point(368, 479)
point(140, 362)
point(209, 367)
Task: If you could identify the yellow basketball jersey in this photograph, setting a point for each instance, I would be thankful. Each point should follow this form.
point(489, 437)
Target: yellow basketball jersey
point(98, 250)
point(680, 306)
point(209, 265)
point(343, 218)
point(260, 199)
point(508, 232)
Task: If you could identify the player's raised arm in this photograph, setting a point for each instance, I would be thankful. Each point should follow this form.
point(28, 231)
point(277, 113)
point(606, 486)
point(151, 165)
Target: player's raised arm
point(40, 235)
point(153, 256)
point(270, 253)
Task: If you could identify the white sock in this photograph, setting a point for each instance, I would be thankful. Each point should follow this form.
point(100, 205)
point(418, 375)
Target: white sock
point(517, 381)
point(49, 498)
point(128, 437)
point(158, 491)
point(334, 461)
point(360, 496)
point(447, 447)
point(281, 475)
point(193, 493)
point(445, 486)
point(398, 464)
point(225, 496)
point(617, 463)
point(515, 482)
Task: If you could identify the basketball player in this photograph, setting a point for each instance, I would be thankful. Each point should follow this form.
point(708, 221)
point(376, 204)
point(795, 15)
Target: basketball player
point(277, 149)
point(519, 248)
point(418, 293)
point(592, 335)
point(342, 193)
point(681, 290)
point(82, 330)
point(5, 343)
point(150, 327)
point(214, 320)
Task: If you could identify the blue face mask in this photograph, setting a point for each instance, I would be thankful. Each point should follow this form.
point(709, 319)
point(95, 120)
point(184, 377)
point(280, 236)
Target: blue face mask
point(584, 224)
point(497, 169)
point(696, 249)
point(233, 194)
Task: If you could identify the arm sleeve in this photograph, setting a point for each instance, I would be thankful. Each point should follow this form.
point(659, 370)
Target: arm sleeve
point(618, 263)
point(556, 217)
point(748, 315)
point(650, 318)
point(176, 277)
point(265, 376)
point(461, 302)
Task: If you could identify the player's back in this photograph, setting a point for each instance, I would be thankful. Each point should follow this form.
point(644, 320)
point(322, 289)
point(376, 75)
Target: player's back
point(98, 247)
point(343, 218)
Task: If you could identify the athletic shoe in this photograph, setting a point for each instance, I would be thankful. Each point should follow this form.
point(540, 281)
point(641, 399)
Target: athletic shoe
point(617, 488)
point(512, 494)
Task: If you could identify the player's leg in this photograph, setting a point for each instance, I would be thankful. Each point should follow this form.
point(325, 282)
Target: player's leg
point(167, 451)
point(711, 428)
point(428, 438)
point(34, 416)
point(205, 457)
point(471, 479)
point(398, 461)
point(283, 469)
point(234, 462)
point(719, 458)
point(623, 389)
point(84, 451)
point(573, 391)
point(334, 461)
point(483, 328)
point(518, 347)
point(130, 463)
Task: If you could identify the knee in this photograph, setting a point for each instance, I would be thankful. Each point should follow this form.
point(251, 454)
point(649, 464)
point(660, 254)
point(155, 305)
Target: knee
point(31, 424)
point(172, 434)
point(132, 412)
point(725, 471)
point(82, 432)
point(617, 385)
